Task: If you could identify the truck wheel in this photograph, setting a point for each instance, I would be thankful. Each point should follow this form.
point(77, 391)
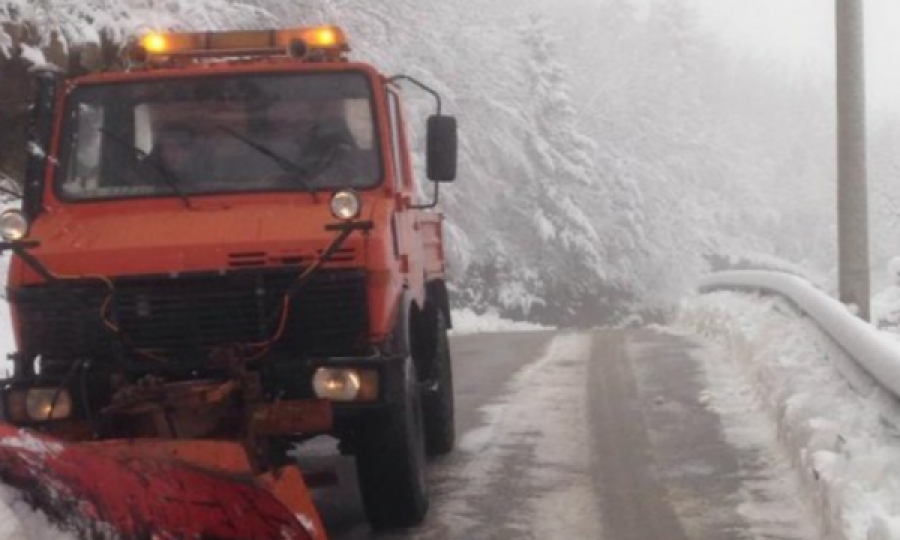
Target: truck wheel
point(390, 460)
point(438, 401)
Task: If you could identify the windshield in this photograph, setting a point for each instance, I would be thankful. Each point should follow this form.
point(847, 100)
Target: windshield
point(178, 137)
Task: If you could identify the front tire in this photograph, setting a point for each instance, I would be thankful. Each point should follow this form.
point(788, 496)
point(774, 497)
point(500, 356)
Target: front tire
point(438, 401)
point(390, 460)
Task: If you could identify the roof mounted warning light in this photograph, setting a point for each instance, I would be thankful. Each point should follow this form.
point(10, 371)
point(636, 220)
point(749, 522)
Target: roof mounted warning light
point(310, 44)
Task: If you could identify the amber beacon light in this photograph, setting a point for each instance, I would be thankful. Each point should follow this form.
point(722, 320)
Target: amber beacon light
point(318, 43)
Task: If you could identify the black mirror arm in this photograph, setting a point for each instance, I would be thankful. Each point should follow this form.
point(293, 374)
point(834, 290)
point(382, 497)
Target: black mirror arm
point(21, 248)
point(433, 203)
point(420, 84)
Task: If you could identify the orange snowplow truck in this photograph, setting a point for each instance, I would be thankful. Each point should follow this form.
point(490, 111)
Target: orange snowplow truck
point(223, 252)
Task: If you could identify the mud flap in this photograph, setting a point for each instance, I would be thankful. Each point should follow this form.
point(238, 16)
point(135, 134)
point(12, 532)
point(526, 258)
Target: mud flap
point(146, 490)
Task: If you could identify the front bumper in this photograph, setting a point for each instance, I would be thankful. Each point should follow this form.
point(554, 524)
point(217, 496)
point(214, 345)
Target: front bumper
point(288, 379)
point(286, 396)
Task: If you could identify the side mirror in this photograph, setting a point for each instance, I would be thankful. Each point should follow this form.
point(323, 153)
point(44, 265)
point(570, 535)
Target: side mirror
point(40, 131)
point(441, 142)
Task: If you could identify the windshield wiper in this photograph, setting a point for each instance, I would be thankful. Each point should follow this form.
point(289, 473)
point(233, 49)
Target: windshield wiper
point(284, 163)
point(143, 159)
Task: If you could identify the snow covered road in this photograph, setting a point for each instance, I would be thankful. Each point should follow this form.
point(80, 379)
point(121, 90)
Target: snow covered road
point(757, 430)
point(600, 434)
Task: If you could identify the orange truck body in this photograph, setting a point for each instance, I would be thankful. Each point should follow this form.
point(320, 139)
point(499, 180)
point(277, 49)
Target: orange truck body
point(168, 323)
point(155, 236)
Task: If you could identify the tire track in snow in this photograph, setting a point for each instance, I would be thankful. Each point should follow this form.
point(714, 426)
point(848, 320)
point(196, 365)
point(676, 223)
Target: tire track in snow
point(526, 473)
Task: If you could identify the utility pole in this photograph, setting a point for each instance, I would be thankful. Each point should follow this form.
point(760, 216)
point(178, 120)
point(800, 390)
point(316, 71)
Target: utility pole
point(853, 217)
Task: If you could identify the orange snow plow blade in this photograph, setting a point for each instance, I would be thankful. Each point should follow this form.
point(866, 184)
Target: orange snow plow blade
point(164, 490)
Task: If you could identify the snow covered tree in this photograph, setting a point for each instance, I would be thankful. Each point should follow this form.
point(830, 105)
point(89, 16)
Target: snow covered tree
point(608, 156)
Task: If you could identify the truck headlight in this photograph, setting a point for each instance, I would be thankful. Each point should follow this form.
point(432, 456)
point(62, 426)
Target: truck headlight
point(339, 384)
point(13, 225)
point(345, 204)
point(39, 404)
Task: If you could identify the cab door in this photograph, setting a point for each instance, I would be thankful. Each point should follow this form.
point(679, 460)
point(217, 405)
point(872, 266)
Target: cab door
point(408, 246)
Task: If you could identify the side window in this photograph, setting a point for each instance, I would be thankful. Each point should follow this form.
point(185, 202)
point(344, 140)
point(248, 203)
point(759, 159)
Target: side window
point(396, 153)
point(143, 127)
point(84, 163)
point(358, 114)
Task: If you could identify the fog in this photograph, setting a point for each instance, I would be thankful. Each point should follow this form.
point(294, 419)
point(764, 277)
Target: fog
point(611, 151)
point(798, 35)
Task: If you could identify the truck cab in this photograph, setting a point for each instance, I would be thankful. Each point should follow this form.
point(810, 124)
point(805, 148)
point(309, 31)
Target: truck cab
point(226, 240)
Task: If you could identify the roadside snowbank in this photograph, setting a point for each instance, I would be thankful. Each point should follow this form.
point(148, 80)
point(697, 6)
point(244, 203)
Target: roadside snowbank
point(839, 426)
point(19, 522)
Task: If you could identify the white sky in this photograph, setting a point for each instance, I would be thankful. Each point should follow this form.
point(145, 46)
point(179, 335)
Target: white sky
point(800, 34)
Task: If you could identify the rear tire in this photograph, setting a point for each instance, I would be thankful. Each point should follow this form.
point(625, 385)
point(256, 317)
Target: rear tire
point(438, 401)
point(390, 460)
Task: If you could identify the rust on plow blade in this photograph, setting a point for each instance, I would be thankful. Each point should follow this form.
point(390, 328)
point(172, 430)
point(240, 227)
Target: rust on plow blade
point(125, 491)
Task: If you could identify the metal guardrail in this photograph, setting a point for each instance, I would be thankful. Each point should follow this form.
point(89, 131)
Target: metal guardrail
point(873, 351)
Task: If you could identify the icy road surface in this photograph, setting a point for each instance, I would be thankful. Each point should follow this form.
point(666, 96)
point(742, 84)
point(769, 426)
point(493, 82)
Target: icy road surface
point(603, 434)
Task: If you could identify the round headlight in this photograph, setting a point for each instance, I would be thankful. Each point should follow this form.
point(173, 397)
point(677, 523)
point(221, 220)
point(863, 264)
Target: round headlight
point(336, 384)
point(345, 205)
point(13, 225)
point(48, 404)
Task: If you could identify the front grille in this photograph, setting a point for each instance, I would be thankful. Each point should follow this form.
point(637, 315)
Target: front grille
point(188, 315)
point(61, 323)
